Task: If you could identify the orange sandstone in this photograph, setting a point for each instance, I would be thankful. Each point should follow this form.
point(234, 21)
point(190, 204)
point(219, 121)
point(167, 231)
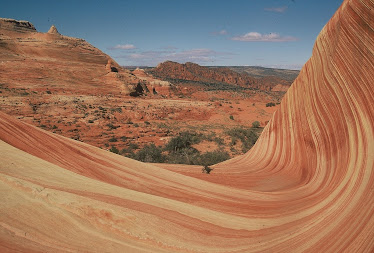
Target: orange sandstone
point(306, 186)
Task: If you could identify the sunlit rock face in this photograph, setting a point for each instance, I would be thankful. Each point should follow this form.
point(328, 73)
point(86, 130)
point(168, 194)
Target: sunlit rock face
point(37, 60)
point(306, 186)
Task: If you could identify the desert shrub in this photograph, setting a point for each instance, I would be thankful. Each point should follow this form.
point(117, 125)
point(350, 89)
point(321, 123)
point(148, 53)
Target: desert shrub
point(182, 141)
point(247, 137)
point(118, 109)
point(231, 117)
point(111, 126)
point(130, 150)
point(150, 153)
point(185, 156)
point(219, 140)
point(213, 157)
point(113, 149)
point(206, 169)
point(113, 139)
point(180, 148)
point(256, 124)
point(270, 104)
point(133, 146)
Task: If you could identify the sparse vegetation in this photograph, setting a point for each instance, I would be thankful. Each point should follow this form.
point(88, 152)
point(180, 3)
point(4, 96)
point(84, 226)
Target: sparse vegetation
point(111, 126)
point(256, 124)
point(210, 158)
point(183, 141)
point(150, 153)
point(113, 139)
point(271, 104)
point(178, 150)
point(247, 137)
point(113, 149)
point(206, 169)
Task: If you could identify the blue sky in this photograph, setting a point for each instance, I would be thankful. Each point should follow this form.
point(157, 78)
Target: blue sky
point(271, 33)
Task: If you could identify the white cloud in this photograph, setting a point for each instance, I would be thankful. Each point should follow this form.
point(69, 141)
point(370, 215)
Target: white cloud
point(222, 32)
point(277, 9)
point(124, 47)
point(271, 37)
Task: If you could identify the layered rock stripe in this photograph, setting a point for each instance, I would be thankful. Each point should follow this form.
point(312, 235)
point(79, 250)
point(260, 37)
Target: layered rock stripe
point(306, 186)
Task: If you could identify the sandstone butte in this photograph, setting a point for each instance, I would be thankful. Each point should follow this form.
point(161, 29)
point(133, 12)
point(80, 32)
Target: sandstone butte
point(194, 72)
point(72, 65)
point(306, 186)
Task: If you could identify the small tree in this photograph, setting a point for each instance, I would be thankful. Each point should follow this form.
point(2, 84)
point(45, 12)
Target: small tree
point(256, 124)
point(114, 150)
point(271, 104)
point(206, 169)
point(151, 154)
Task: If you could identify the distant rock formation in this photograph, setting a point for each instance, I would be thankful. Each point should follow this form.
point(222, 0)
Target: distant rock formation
point(306, 186)
point(53, 30)
point(155, 85)
point(194, 72)
point(36, 56)
point(16, 25)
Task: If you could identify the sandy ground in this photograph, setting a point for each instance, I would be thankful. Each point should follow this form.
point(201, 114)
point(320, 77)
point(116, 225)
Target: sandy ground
point(306, 186)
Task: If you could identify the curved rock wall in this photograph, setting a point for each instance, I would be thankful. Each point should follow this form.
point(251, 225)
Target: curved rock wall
point(306, 186)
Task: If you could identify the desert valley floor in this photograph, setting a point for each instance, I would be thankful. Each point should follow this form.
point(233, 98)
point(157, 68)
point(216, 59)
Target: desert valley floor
point(307, 185)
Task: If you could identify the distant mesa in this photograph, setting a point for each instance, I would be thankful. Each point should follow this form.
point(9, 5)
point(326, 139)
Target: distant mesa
point(16, 25)
point(189, 71)
point(30, 54)
point(53, 30)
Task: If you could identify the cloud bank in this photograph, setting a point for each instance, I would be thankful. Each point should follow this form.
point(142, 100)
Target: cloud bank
point(123, 47)
point(271, 37)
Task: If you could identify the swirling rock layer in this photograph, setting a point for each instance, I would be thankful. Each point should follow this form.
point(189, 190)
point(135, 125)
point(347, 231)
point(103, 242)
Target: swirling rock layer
point(306, 186)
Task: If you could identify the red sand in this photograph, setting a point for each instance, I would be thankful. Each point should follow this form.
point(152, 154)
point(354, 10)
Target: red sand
point(306, 186)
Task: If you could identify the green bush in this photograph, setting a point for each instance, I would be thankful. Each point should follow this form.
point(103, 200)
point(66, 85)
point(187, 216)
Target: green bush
point(150, 154)
point(129, 151)
point(270, 104)
point(182, 141)
point(256, 124)
point(247, 137)
point(210, 158)
point(113, 139)
point(111, 126)
point(113, 149)
point(219, 140)
point(185, 156)
point(206, 169)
